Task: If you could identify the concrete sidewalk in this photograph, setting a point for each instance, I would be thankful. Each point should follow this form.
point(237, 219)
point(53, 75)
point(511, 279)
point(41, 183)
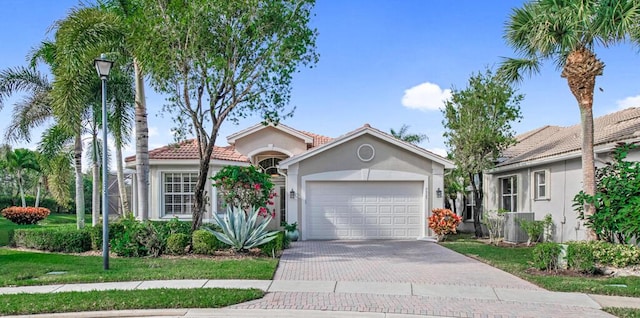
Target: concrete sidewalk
point(350, 287)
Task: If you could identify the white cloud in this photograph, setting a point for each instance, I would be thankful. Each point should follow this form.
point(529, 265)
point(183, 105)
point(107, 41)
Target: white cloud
point(632, 101)
point(439, 151)
point(425, 96)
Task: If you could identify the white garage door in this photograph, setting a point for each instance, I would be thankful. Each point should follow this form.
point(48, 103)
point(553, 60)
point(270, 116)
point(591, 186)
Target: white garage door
point(364, 210)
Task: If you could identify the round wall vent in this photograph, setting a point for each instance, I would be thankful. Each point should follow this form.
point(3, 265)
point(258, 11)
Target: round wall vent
point(366, 152)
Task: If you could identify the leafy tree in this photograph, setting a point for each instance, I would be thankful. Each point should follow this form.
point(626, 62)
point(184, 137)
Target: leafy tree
point(223, 60)
point(617, 203)
point(567, 32)
point(455, 183)
point(19, 160)
point(404, 135)
point(477, 123)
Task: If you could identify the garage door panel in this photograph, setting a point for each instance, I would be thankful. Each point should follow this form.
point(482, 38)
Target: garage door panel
point(361, 210)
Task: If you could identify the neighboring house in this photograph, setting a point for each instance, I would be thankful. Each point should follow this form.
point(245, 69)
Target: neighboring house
point(543, 171)
point(365, 184)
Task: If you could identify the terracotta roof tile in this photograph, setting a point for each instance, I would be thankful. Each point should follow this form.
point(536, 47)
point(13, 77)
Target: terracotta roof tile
point(188, 149)
point(318, 140)
point(549, 141)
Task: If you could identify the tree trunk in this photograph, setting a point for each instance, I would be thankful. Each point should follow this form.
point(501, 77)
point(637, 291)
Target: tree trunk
point(21, 188)
point(477, 206)
point(588, 163)
point(95, 188)
point(38, 192)
point(142, 144)
point(124, 200)
point(199, 195)
point(77, 156)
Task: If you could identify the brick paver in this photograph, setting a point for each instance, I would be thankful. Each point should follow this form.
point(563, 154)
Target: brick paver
point(415, 262)
point(389, 261)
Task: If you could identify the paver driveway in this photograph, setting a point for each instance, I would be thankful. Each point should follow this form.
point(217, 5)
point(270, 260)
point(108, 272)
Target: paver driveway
point(408, 277)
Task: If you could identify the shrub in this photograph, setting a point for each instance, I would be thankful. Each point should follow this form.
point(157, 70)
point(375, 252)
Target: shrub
point(172, 226)
point(116, 229)
point(617, 255)
point(545, 256)
point(48, 203)
point(242, 231)
point(153, 240)
point(204, 242)
point(494, 221)
point(580, 257)
point(244, 187)
point(177, 243)
point(274, 246)
point(443, 222)
point(25, 215)
point(60, 239)
point(132, 238)
point(534, 230)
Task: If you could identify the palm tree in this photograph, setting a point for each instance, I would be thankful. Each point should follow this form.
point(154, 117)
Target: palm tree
point(18, 161)
point(404, 135)
point(110, 27)
point(567, 31)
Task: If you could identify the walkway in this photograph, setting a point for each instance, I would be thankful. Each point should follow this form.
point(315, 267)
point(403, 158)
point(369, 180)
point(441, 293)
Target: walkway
point(384, 279)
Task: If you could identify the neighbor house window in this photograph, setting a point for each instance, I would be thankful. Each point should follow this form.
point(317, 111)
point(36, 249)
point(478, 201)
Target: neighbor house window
point(509, 193)
point(470, 203)
point(178, 192)
point(540, 182)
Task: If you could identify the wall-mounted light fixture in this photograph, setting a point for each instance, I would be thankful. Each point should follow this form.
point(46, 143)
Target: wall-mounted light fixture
point(439, 193)
point(292, 194)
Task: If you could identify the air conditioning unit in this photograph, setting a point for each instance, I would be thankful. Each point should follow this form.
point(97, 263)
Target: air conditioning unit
point(512, 231)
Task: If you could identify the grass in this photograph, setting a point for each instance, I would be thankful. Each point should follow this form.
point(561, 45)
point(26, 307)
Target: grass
point(516, 260)
point(52, 220)
point(18, 268)
point(623, 312)
point(21, 304)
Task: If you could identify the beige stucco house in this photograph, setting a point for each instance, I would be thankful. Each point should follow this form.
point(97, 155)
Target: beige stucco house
point(543, 171)
point(365, 184)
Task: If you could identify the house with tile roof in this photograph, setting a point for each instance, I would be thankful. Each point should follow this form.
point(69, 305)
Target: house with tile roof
point(365, 184)
point(543, 171)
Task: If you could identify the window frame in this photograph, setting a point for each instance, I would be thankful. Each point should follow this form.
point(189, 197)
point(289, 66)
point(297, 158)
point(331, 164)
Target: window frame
point(163, 193)
point(513, 194)
point(536, 185)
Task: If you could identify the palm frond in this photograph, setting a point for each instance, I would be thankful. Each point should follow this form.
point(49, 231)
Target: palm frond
point(514, 70)
point(21, 79)
point(29, 113)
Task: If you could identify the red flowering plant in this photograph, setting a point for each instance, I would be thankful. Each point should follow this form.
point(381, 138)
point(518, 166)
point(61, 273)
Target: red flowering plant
point(246, 188)
point(25, 215)
point(443, 222)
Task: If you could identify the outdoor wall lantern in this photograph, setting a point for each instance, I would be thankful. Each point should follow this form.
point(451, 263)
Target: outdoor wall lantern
point(439, 193)
point(292, 194)
point(103, 67)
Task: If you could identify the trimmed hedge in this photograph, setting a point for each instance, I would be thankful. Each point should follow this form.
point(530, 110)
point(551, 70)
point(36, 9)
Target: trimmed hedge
point(177, 243)
point(616, 255)
point(545, 256)
point(204, 242)
point(25, 215)
point(60, 239)
point(273, 247)
point(580, 257)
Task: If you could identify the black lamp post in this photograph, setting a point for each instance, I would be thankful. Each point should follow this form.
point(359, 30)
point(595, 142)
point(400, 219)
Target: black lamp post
point(103, 67)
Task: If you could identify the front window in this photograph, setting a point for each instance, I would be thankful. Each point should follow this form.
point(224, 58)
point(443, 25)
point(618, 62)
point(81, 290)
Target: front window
point(509, 194)
point(178, 192)
point(270, 166)
point(540, 184)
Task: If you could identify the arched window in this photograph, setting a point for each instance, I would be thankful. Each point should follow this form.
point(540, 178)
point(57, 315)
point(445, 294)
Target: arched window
point(269, 165)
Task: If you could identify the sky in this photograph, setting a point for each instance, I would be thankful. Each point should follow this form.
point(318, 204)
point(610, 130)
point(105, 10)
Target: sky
point(382, 62)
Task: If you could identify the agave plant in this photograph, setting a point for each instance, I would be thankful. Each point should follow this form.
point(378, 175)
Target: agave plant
point(242, 231)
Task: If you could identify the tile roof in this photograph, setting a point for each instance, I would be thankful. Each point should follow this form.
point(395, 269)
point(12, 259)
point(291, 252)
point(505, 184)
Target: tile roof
point(550, 141)
point(318, 140)
point(188, 149)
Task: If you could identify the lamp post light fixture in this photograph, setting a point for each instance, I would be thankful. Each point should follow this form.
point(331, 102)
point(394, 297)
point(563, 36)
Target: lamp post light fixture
point(103, 67)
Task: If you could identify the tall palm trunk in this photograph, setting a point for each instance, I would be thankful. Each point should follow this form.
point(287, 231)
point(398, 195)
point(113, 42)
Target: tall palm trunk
point(38, 191)
point(95, 188)
point(142, 144)
point(124, 200)
point(580, 70)
point(77, 157)
point(21, 188)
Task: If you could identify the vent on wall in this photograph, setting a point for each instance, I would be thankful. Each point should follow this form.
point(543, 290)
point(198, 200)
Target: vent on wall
point(366, 152)
point(512, 231)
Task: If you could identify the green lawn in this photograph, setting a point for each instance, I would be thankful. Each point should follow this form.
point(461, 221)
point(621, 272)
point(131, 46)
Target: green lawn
point(623, 312)
point(53, 219)
point(124, 299)
point(30, 268)
point(516, 260)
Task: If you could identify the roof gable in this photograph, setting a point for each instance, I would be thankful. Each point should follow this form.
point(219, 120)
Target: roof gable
point(231, 139)
point(367, 129)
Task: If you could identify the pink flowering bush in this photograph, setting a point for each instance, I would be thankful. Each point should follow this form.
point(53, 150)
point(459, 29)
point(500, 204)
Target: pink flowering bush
point(246, 187)
point(443, 222)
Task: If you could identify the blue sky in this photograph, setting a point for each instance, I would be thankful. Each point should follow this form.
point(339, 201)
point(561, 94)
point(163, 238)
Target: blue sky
point(382, 62)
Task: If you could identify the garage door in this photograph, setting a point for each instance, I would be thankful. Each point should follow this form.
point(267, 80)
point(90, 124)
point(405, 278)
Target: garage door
point(364, 210)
